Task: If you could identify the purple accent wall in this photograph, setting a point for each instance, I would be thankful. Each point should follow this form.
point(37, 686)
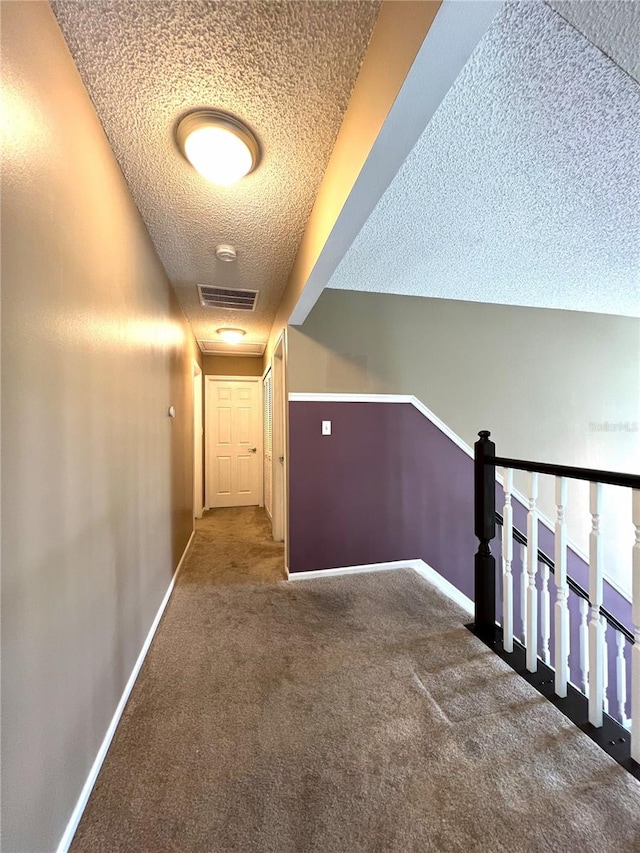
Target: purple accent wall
point(388, 485)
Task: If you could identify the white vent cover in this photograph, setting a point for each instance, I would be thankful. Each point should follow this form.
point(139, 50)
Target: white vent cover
point(220, 348)
point(227, 297)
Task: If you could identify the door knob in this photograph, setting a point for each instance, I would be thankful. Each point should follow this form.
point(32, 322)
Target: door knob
point(252, 449)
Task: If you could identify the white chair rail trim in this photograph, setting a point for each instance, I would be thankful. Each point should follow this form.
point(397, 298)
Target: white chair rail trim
point(76, 814)
point(304, 397)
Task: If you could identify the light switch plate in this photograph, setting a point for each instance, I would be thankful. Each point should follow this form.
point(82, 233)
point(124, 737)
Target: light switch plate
point(326, 427)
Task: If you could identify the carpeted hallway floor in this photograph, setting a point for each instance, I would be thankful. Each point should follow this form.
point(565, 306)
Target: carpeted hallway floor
point(234, 545)
point(344, 715)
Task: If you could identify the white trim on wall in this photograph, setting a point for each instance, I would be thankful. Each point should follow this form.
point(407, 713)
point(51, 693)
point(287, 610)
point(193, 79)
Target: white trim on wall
point(418, 566)
point(445, 586)
point(299, 397)
point(351, 570)
point(385, 398)
point(76, 814)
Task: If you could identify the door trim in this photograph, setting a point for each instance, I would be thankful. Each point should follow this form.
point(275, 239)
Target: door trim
point(198, 446)
point(267, 494)
point(281, 413)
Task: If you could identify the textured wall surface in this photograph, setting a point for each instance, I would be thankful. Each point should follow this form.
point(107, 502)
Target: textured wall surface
point(524, 188)
point(96, 479)
point(559, 386)
point(286, 68)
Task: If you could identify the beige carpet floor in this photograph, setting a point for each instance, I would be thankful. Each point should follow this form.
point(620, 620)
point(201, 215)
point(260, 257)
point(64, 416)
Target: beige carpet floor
point(351, 714)
point(234, 545)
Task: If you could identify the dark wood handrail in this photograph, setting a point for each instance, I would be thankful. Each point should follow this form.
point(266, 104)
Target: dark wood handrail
point(519, 536)
point(613, 478)
point(485, 463)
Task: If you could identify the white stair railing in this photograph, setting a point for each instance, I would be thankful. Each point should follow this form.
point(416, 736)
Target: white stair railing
point(545, 615)
point(507, 559)
point(523, 592)
point(621, 679)
point(532, 568)
point(635, 652)
point(583, 633)
point(562, 592)
point(597, 626)
point(605, 669)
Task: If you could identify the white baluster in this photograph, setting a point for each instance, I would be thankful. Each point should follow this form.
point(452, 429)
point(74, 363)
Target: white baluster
point(596, 625)
point(546, 614)
point(584, 645)
point(507, 558)
point(523, 593)
point(532, 567)
point(605, 669)
point(562, 592)
point(621, 679)
point(635, 651)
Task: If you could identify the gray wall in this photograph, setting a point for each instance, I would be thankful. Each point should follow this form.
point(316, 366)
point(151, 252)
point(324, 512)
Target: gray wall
point(96, 479)
point(547, 383)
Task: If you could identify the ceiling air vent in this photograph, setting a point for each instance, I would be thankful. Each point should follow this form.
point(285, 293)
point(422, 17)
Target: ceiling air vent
point(227, 297)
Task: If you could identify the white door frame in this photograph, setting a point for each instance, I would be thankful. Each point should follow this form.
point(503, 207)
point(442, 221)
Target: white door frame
point(280, 445)
point(267, 492)
point(198, 441)
point(207, 417)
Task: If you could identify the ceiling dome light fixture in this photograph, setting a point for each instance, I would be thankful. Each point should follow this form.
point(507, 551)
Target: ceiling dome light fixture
point(231, 336)
point(218, 146)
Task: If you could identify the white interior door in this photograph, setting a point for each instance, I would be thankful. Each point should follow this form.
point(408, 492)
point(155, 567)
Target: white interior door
point(233, 443)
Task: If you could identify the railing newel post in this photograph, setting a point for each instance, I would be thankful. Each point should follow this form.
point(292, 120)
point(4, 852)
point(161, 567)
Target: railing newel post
point(485, 531)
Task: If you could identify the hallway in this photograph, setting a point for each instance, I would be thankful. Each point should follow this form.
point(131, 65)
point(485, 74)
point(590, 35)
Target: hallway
point(233, 545)
point(340, 715)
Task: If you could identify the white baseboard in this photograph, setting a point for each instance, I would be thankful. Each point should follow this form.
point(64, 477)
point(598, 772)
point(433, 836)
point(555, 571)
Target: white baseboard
point(351, 570)
point(443, 585)
point(74, 820)
point(418, 565)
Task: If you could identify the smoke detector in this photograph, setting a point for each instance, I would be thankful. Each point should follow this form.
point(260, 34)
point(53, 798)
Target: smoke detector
point(226, 253)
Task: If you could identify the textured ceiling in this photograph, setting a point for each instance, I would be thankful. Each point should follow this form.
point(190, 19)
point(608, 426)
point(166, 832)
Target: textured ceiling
point(286, 68)
point(524, 188)
point(613, 25)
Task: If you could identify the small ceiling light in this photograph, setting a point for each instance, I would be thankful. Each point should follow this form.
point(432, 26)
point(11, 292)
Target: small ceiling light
point(231, 336)
point(226, 254)
point(218, 146)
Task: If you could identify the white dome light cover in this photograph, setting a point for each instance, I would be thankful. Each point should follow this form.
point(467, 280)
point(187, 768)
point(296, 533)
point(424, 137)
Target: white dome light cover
point(218, 146)
point(231, 336)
